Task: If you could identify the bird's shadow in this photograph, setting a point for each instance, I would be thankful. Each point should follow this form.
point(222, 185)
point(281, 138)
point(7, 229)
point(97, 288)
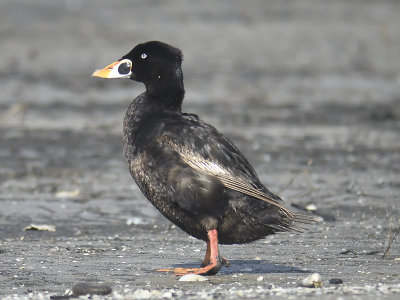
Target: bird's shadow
point(251, 267)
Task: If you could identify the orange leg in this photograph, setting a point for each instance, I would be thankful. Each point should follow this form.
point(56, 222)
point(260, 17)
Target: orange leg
point(206, 260)
point(212, 262)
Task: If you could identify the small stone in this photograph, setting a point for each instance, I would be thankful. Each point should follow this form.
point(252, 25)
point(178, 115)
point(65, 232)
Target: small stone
point(311, 207)
point(335, 281)
point(193, 277)
point(142, 294)
point(312, 281)
point(136, 221)
point(92, 288)
point(68, 194)
point(43, 227)
point(167, 295)
point(261, 278)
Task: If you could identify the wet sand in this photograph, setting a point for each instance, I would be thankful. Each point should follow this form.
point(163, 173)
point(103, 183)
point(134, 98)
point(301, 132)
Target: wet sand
point(308, 90)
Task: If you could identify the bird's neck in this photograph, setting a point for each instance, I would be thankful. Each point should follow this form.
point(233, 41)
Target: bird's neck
point(167, 90)
point(166, 101)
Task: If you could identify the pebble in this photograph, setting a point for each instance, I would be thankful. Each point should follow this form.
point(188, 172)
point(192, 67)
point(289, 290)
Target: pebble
point(43, 227)
point(68, 194)
point(261, 278)
point(335, 281)
point(136, 221)
point(312, 281)
point(193, 277)
point(145, 294)
point(92, 288)
point(311, 207)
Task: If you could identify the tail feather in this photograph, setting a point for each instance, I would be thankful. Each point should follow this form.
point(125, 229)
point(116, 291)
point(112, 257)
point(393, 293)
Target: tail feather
point(290, 223)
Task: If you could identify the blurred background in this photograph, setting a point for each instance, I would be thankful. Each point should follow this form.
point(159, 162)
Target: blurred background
point(308, 90)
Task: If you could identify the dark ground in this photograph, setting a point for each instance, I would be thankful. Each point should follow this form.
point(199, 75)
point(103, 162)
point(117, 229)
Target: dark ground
point(308, 90)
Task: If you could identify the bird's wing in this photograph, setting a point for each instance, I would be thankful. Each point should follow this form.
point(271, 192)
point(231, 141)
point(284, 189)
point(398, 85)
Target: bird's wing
point(203, 148)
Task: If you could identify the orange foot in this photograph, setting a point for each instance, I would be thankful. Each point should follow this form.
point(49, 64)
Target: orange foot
point(212, 262)
point(209, 270)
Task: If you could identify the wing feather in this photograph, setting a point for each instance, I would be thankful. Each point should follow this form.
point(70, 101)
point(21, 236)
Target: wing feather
point(232, 181)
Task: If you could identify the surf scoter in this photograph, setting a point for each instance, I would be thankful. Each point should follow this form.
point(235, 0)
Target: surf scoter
point(194, 175)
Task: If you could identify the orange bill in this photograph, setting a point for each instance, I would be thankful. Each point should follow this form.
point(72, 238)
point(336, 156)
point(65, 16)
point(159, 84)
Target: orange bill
point(107, 72)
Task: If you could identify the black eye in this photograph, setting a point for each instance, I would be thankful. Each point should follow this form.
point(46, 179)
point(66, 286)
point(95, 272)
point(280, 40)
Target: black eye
point(124, 68)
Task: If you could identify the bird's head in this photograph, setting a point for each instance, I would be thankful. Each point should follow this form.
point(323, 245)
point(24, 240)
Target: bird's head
point(148, 63)
point(158, 66)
